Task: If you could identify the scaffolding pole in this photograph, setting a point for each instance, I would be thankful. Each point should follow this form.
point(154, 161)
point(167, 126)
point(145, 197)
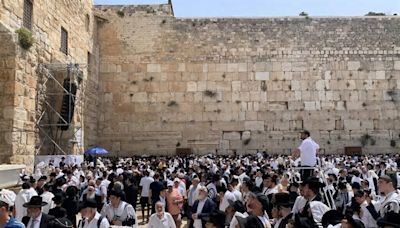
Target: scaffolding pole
point(50, 120)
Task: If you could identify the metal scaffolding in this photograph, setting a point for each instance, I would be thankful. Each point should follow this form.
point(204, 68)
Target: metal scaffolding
point(60, 100)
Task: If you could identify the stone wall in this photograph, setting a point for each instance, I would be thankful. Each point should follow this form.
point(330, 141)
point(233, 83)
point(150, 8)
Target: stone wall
point(48, 17)
point(242, 84)
point(7, 75)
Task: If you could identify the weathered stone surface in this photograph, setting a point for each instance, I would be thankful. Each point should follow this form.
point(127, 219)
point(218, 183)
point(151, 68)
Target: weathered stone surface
point(156, 80)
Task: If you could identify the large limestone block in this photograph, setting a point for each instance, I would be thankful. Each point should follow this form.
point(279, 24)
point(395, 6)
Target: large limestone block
point(353, 65)
point(352, 124)
point(231, 135)
point(153, 68)
point(191, 86)
point(397, 65)
point(254, 125)
point(262, 76)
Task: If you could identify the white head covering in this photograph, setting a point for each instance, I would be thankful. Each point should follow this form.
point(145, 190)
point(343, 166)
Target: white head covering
point(7, 197)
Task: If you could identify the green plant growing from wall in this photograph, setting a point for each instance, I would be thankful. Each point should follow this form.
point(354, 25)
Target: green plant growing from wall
point(172, 104)
point(375, 14)
point(367, 138)
point(120, 13)
point(210, 93)
point(25, 38)
point(246, 141)
point(393, 143)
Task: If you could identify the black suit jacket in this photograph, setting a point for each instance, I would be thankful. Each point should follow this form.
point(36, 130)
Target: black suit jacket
point(44, 222)
point(208, 208)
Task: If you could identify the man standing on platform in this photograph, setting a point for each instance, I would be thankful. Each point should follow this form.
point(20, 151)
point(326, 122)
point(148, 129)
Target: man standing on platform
point(307, 151)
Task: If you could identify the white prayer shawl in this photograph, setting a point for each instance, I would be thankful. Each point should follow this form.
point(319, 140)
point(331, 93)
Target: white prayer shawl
point(23, 197)
point(48, 198)
point(389, 203)
point(366, 217)
point(122, 213)
point(318, 209)
point(299, 204)
point(165, 222)
point(234, 221)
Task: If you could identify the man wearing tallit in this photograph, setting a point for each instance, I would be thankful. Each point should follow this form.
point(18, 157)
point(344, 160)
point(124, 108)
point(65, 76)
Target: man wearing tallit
point(314, 209)
point(391, 201)
point(118, 212)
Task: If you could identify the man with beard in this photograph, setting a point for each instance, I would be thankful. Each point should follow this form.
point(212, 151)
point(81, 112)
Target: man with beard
point(91, 194)
point(307, 151)
point(36, 218)
point(161, 219)
point(202, 208)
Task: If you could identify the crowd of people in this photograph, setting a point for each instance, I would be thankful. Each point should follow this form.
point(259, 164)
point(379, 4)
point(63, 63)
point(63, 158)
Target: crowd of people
point(259, 190)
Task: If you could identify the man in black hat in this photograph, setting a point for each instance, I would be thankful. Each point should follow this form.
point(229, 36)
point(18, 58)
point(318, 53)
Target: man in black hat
point(216, 220)
point(257, 205)
point(283, 207)
point(118, 212)
point(35, 218)
point(90, 216)
point(58, 211)
point(314, 209)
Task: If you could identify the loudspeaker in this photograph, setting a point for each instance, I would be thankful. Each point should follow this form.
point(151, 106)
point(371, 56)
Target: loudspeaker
point(68, 104)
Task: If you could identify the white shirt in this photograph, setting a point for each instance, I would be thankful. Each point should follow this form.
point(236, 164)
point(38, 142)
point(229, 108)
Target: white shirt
point(299, 204)
point(145, 184)
point(102, 190)
point(228, 196)
point(234, 221)
point(308, 152)
point(269, 191)
point(193, 194)
point(37, 222)
point(73, 181)
point(197, 222)
point(23, 197)
point(366, 217)
point(238, 194)
point(259, 181)
point(165, 222)
point(48, 198)
point(93, 223)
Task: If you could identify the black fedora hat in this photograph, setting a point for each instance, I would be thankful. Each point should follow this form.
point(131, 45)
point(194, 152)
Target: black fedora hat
point(391, 219)
point(58, 198)
point(88, 203)
point(283, 199)
point(116, 193)
point(35, 202)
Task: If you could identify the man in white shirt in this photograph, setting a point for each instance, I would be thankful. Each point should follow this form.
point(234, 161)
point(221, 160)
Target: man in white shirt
point(307, 151)
point(161, 219)
point(226, 196)
point(23, 197)
point(192, 194)
point(48, 198)
point(145, 182)
point(90, 216)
